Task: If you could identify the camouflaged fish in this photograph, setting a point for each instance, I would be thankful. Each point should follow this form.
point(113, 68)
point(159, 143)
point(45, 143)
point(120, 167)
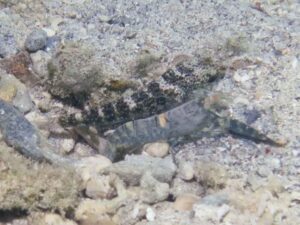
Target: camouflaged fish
point(154, 96)
point(198, 118)
point(199, 115)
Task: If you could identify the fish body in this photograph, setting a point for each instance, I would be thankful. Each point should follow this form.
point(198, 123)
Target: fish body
point(191, 117)
point(195, 116)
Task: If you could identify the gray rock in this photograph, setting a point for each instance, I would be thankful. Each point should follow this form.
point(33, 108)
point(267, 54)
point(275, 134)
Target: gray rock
point(36, 40)
point(181, 187)
point(100, 187)
point(39, 61)
point(153, 190)
point(134, 167)
point(264, 171)
point(210, 174)
point(8, 45)
point(23, 101)
point(186, 170)
point(217, 199)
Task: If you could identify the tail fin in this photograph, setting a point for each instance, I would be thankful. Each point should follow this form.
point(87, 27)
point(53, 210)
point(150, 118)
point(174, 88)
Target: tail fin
point(243, 130)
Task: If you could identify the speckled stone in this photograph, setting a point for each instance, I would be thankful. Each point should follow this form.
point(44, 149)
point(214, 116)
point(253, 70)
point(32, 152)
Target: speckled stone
point(36, 40)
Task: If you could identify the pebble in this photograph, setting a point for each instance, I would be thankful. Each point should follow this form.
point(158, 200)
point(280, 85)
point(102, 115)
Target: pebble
point(216, 199)
point(210, 174)
point(23, 101)
point(185, 202)
point(36, 40)
point(19, 65)
point(62, 144)
point(222, 212)
point(91, 212)
point(43, 101)
point(67, 145)
point(131, 213)
point(100, 187)
point(95, 212)
point(12, 90)
point(150, 214)
point(210, 214)
point(8, 45)
point(180, 187)
point(157, 149)
point(273, 163)
point(40, 63)
point(91, 166)
point(49, 32)
point(241, 78)
point(153, 191)
point(276, 184)
point(83, 150)
point(134, 167)
point(8, 92)
point(57, 130)
point(103, 18)
point(264, 171)
point(186, 171)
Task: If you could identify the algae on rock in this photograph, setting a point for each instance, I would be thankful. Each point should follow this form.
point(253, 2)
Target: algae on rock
point(74, 71)
point(28, 186)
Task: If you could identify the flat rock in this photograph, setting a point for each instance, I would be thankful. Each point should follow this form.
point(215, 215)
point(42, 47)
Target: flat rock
point(208, 214)
point(134, 167)
point(181, 187)
point(153, 191)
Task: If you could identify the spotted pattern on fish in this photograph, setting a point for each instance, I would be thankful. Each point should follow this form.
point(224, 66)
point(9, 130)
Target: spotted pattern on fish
point(171, 89)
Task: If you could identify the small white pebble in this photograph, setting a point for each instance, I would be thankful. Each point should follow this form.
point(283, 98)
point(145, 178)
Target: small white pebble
point(150, 214)
point(49, 31)
point(68, 145)
point(186, 171)
point(295, 63)
point(222, 212)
